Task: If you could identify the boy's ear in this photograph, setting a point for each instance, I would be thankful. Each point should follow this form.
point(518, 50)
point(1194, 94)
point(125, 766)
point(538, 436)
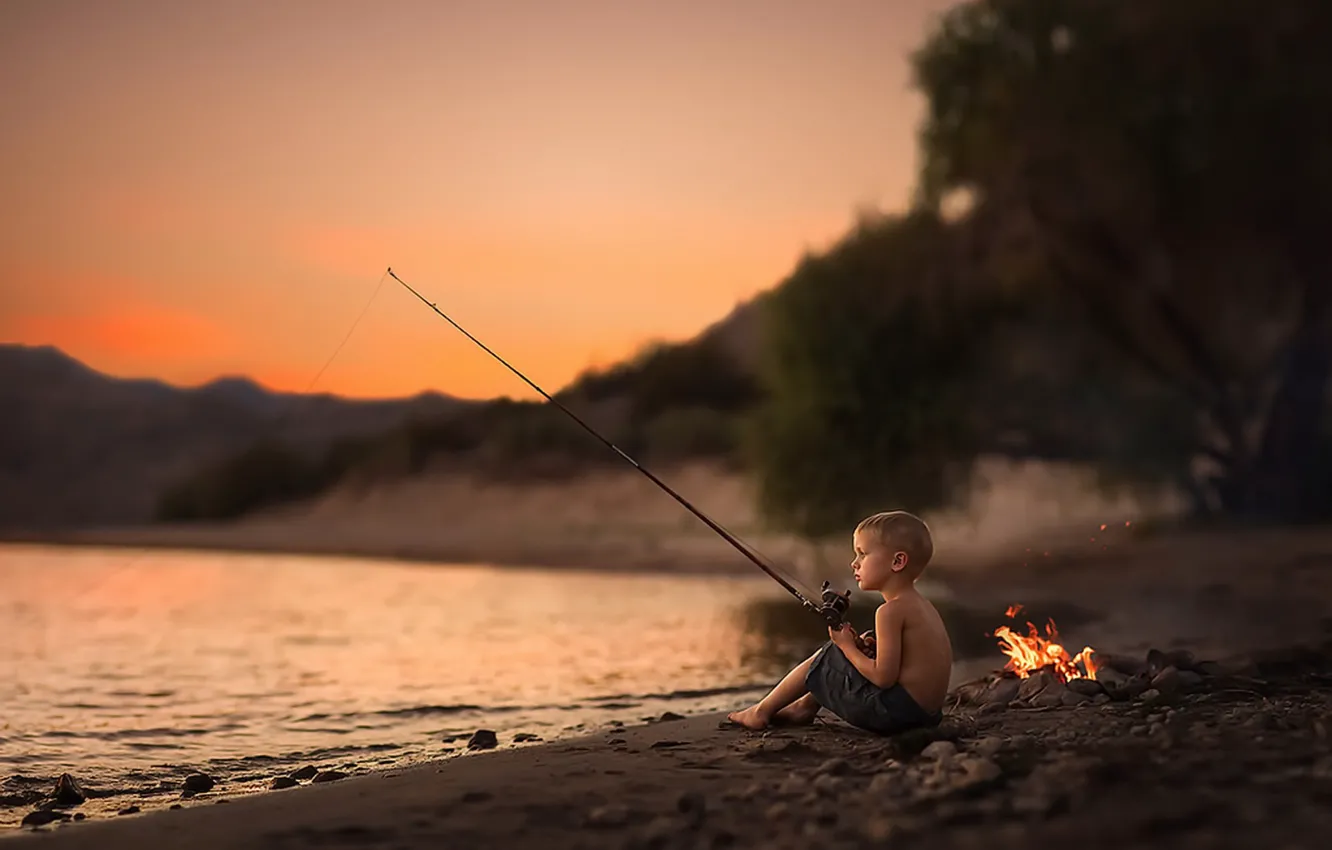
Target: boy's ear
point(899, 561)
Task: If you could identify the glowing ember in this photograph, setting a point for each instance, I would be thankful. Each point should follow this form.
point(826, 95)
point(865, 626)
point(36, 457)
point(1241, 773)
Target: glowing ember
point(1013, 611)
point(1027, 654)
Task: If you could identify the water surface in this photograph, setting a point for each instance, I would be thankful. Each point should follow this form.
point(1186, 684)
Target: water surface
point(132, 668)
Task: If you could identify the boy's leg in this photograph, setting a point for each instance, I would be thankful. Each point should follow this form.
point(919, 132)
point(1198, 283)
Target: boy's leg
point(800, 712)
point(788, 690)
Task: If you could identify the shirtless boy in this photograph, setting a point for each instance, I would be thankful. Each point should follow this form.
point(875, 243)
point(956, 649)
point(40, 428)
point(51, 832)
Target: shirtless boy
point(903, 686)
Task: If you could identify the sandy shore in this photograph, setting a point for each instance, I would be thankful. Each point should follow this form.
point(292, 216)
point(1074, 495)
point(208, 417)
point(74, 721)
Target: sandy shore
point(1242, 760)
point(616, 519)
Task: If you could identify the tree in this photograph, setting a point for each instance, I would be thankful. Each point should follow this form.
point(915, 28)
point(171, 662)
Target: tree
point(1166, 164)
point(867, 355)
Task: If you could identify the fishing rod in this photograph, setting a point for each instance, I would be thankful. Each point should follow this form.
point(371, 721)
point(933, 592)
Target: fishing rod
point(832, 607)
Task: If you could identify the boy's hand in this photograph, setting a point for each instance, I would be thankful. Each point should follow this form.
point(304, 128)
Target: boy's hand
point(844, 636)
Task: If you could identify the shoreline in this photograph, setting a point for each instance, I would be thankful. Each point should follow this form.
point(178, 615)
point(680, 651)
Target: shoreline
point(1188, 760)
point(219, 540)
point(1171, 766)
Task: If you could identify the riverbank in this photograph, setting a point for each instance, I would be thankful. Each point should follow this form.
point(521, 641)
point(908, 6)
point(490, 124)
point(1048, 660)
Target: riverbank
point(1238, 757)
point(619, 520)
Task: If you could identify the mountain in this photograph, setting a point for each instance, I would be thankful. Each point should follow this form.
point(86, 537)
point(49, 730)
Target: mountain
point(79, 448)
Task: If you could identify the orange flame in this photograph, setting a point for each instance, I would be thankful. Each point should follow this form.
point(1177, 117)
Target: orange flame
point(1032, 652)
point(1013, 611)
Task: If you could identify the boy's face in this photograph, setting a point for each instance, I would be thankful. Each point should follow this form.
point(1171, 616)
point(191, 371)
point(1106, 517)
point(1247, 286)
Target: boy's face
point(875, 561)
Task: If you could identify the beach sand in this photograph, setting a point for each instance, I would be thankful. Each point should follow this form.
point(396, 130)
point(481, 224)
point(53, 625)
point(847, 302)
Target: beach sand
point(1240, 759)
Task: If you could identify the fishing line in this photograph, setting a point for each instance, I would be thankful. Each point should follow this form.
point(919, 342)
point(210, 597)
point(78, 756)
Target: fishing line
point(833, 605)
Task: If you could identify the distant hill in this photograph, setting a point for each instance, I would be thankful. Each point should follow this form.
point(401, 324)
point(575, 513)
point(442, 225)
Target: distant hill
point(78, 447)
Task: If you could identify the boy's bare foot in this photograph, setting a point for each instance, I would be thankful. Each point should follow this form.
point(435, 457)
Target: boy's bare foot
point(799, 713)
point(750, 718)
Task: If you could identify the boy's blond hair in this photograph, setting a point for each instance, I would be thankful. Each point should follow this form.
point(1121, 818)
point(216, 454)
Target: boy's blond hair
point(903, 531)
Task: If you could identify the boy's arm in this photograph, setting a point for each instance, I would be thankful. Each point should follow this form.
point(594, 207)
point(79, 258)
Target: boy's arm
point(884, 667)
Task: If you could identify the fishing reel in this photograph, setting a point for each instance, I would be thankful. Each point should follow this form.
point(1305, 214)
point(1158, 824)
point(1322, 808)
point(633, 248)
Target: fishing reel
point(834, 606)
point(833, 610)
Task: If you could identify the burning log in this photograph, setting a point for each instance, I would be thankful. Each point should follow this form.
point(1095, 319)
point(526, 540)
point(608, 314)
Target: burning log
point(1031, 652)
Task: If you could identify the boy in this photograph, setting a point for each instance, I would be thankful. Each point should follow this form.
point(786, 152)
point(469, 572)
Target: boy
point(904, 685)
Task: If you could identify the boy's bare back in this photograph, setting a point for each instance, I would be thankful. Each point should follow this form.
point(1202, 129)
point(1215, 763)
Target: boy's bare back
point(927, 653)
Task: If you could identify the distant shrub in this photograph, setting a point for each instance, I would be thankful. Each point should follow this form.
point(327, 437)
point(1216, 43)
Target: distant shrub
point(265, 474)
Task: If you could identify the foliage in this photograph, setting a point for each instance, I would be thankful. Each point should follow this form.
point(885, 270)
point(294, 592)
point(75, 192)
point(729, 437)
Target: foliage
point(1147, 156)
point(866, 358)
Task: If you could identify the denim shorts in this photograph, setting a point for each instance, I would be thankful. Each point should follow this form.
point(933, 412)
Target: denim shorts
point(842, 689)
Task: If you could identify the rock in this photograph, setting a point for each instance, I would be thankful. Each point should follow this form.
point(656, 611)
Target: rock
point(187, 794)
point(1156, 661)
point(989, 746)
point(1052, 695)
point(1072, 697)
point(609, 815)
point(1156, 729)
point(973, 693)
point(669, 715)
point(940, 750)
point(482, 739)
point(879, 829)
point(793, 784)
point(1150, 695)
point(1190, 681)
point(524, 737)
point(977, 771)
point(1034, 684)
point(1100, 699)
point(883, 783)
point(777, 811)
point(659, 831)
point(992, 708)
point(42, 817)
point(1125, 665)
point(667, 744)
point(614, 741)
point(1002, 692)
point(129, 810)
point(280, 782)
point(307, 772)
point(67, 791)
point(198, 783)
point(827, 785)
point(174, 806)
point(81, 815)
point(833, 767)
point(693, 806)
point(329, 776)
point(1167, 681)
point(1180, 659)
point(1086, 687)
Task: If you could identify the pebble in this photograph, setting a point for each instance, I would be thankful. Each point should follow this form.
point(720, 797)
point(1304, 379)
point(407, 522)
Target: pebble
point(989, 746)
point(883, 783)
point(68, 791)
point(482, 739)
point(669, 715)
point(833, 767)
point(777, 811)
point(42, 817)
point(1150, 695)
point(611, 815)
point(307, 772)
point(827, 784)
point(1167, 681)
point(329, 776)
point(940, 750)
point(524, 737)
point(280, 782)
point(129, 810)
point(793, 784)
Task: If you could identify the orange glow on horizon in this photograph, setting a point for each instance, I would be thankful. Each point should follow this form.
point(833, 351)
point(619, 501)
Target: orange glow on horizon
point(569, 183)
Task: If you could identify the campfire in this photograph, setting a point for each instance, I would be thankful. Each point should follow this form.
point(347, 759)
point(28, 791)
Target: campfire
point(1032, 652)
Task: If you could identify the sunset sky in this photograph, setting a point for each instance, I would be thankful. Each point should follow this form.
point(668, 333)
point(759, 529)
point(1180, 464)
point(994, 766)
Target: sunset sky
point(199, 189)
